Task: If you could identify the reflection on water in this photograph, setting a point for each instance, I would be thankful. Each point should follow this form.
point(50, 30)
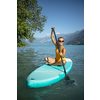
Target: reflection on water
point(30, 58)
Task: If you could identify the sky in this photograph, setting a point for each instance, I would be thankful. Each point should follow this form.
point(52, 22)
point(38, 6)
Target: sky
point(66, 15)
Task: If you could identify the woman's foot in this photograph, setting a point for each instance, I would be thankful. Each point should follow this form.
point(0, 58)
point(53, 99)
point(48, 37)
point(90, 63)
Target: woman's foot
point(47, 64)
point(50, 61)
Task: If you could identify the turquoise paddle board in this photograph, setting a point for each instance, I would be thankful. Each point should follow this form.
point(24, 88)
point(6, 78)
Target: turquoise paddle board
point(48, 74)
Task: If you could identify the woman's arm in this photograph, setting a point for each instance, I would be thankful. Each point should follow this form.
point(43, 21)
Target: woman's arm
point(52, 37)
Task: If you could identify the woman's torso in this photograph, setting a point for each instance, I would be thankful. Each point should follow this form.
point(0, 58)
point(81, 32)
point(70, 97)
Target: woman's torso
point(58, 58)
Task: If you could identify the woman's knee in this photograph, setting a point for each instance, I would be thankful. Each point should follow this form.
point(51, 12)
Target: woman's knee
point(45, 59)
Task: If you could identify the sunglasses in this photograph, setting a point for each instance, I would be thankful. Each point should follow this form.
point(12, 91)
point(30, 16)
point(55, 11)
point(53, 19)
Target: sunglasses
point(61, 41)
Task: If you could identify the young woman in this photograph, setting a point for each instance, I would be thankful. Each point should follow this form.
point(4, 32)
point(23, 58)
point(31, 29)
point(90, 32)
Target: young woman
point(57, 59)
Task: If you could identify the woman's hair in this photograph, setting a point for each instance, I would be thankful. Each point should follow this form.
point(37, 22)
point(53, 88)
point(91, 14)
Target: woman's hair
point(60, 37)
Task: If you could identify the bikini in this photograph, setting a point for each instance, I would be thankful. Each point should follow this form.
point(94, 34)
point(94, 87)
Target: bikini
point(58, 58)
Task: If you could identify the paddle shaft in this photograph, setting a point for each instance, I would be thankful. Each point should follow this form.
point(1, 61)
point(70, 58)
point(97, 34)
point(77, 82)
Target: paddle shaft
point(59, 51)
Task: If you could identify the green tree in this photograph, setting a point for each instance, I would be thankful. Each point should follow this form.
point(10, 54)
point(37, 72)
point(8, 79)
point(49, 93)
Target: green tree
point(29, 20)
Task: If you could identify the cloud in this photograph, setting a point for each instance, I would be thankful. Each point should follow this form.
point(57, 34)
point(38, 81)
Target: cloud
point(48, 34)
point(57, 33)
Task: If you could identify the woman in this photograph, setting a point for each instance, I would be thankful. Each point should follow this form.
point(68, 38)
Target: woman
point(57, 59)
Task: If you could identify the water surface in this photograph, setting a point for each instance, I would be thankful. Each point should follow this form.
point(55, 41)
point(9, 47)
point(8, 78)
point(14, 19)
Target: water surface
point(30, 58)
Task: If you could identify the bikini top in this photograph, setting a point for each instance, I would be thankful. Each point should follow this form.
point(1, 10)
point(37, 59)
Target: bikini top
point(57, 54)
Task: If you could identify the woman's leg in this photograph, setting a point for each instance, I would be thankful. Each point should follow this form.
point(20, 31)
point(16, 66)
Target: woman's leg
point(50, 61)
point(60, 63)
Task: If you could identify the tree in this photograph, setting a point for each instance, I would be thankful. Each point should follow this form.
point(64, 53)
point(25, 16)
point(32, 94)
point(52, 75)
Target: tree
point(29, 20)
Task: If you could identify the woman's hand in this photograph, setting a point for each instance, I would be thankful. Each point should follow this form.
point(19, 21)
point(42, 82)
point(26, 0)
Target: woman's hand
point(60, 54)
point(53, 27)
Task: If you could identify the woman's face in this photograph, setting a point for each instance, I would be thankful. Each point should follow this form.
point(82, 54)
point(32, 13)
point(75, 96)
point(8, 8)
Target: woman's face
point(60, 41)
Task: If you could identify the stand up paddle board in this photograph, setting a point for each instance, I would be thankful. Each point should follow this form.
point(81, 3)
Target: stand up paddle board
point(48, 74)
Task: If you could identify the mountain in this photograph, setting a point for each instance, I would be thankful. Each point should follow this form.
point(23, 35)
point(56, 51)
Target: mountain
point(77, 38)
point(69, 39)
point(43, 41)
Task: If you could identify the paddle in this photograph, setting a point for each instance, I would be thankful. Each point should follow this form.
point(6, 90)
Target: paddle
point(66, 76)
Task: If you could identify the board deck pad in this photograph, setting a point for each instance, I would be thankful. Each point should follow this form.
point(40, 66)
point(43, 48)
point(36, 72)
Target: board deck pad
point(47, 75)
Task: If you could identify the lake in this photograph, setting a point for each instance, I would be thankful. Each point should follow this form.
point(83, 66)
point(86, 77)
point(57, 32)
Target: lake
point(32, 57)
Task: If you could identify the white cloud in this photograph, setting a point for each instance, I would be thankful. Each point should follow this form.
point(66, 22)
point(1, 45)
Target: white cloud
point(48, 34)
point(57, 33)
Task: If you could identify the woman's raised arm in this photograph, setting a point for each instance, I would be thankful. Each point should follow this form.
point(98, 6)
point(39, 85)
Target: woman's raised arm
point(52, 37)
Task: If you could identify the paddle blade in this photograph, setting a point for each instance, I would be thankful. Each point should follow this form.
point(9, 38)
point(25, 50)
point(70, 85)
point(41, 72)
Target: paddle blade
point(70, 82)
point(67, 77)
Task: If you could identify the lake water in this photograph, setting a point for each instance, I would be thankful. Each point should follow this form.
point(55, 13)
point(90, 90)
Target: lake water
point(30, 58)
